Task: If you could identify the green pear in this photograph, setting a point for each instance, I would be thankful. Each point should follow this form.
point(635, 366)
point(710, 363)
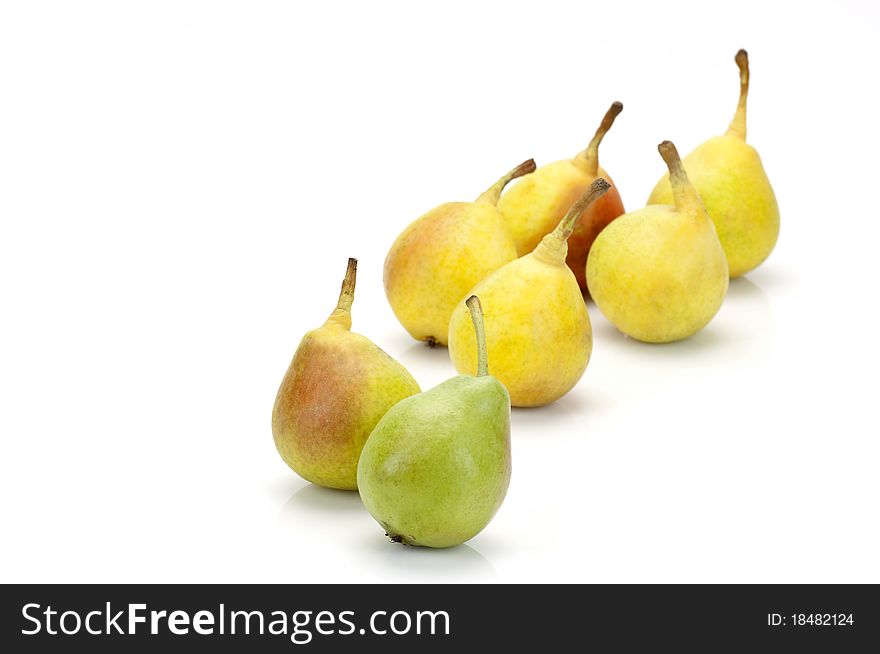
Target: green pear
point(437, 259)
point(730, 178)
point(336, 389)
point(437, 466)
point(659, 274)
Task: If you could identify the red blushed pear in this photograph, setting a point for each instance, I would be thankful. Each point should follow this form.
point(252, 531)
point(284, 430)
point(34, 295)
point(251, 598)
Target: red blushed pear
point(338, 386)
point(534, 205)
point(439, 257)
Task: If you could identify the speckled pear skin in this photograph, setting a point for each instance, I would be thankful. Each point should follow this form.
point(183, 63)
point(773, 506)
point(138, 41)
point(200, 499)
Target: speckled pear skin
point(438, 258)
point(337, 387)
point(659, 274)
point(728, 174)
point(534, 205)
point(437, 466)
point(538, 332)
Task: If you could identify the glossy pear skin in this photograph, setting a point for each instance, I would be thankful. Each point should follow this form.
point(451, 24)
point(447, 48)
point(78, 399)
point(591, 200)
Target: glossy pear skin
point(659, 274)
point(438, 258)
point(337, 387)
point(730, 178)
point(534, 205)
point(437, 466)
point(538, 332)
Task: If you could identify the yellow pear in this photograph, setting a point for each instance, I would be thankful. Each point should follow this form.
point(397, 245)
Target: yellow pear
point(534, 205)
point(336, 389)
point(439, 257)
point(729, 176)
point(538, 332)
point(659, 274)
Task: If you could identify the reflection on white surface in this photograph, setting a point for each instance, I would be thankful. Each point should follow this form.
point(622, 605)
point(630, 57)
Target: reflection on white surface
point(742, 330)
point(423, 564)
point(316, 499)
point(550, 421)
point(321, 518)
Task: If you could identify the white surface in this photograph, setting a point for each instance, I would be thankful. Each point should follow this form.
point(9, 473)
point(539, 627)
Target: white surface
point(180, 187)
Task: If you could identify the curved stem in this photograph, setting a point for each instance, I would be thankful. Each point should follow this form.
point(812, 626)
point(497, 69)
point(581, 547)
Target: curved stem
point(493, 194)
point(341, 315)
point(591, 154)
point(476, 309)
point(683, 191)
point(738, 124)
point(346, 294)
point(566, 226)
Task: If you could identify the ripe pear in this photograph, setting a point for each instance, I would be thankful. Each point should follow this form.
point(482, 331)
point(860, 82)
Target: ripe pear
point(539, 337)
point(336, 389)
point(437, 466)
point(438, 258)
point(659, 274)
point(729, 176)
point(534, 206)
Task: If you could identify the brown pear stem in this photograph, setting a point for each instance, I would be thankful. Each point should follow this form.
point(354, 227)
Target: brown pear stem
point(738, 124)
point(591, 154)
point(346, 295)
point(683, 191)
point(493, 194)
point(476, 309)
point(566, 226)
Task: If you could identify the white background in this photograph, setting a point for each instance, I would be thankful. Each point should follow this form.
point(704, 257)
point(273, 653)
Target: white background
point(182, 182)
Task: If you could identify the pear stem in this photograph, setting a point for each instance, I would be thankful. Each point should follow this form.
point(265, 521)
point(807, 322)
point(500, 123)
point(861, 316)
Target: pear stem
point(591, 154)
point(683, 191)
point(493, 194)
point(738, 124)
point(346, 295)
point(476, 309)
point(566, 226)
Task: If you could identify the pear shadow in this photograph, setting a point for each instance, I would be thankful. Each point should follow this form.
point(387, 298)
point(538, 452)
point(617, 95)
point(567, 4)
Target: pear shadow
point(743, 288)
point(749, 313)
point(339, 516)
point(577, 403)
point(325, 501)
point(431, 365)
point(323, 517)
point(768, 278)
point(424, 563)
point(282, 486)
point(749, 305)
point(588, 299)
point(425, 353)
point(711, 337)
point(743, 327)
